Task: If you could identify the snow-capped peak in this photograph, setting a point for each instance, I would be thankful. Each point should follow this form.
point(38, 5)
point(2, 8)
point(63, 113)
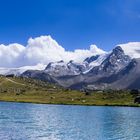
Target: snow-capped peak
point(96, 50)
point(131, 49)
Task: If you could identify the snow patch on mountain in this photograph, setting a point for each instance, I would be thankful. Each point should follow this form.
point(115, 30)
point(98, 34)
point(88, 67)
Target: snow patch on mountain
point(18, 71)
point(61, 68)
point(98, 61)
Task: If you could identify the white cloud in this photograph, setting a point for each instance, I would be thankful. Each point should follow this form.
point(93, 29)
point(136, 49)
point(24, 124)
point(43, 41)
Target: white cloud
point(43, 50)
point(132, 49)
point(9, 54)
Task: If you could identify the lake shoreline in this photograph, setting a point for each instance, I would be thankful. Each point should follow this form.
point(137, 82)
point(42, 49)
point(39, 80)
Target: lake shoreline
point(106, 105)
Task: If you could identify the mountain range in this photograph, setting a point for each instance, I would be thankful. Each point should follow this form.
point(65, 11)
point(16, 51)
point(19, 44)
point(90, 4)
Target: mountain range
point(116, 69)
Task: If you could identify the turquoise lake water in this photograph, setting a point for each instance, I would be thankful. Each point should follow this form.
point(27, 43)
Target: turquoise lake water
point(24, 121)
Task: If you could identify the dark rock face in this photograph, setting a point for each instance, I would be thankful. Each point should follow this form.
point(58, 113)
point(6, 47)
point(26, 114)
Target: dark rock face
point(41, 75)
point(116, 61)
point(91, 59)
point(120, 74)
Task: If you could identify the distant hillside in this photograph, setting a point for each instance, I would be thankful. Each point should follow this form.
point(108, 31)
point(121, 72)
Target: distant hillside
point(19, 85)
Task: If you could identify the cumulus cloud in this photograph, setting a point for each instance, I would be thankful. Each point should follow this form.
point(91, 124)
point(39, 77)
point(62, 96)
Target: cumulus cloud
point(9, 54)
point(43, 50)
point(132, 49)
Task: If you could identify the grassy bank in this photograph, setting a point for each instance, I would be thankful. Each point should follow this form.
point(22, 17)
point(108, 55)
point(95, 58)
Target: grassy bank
point(33, 91)
point(70, 97)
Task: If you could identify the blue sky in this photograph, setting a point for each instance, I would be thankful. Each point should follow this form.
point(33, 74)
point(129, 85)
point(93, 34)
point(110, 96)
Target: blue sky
point(72, 23)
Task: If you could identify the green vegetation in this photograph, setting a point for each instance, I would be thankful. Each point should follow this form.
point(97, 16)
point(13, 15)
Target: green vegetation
point(18, 89)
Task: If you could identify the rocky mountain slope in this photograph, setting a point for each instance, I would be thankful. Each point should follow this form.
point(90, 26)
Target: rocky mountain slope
point(117, 69)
